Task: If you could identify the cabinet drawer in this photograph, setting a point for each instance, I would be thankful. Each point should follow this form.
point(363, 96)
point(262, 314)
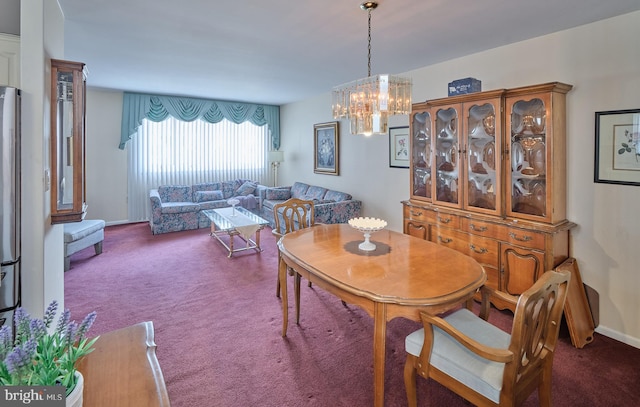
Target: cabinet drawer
point(431, 216)
point(482, 228)
point(416, 213)
point(520, 237)
point(484, 250)
point(524, 238)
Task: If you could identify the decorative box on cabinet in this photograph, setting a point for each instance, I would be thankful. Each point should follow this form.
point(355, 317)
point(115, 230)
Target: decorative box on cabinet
point(488, 179)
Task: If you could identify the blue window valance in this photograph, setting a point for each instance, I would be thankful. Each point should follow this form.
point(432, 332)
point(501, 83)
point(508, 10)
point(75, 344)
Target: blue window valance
point(136, 106)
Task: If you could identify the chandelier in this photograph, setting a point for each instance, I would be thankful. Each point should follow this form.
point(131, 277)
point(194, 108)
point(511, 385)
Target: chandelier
point(369, 102)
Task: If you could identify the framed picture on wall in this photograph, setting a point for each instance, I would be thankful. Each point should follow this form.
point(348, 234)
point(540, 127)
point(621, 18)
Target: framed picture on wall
point(399, 147)
point(617, 152)
point(326, 148)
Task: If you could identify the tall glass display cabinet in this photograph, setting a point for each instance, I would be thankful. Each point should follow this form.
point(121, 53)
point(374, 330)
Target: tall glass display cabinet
point(68, 93)
point(488, 179)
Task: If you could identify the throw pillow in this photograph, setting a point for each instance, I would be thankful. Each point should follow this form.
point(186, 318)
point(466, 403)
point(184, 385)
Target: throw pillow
point(277, 194)
point(205, 196)
point(246, 189)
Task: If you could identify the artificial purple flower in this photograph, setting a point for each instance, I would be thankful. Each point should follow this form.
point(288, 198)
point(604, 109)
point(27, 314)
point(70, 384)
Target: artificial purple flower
point(17, 360)
point(69, 334)
point(50, 313)
point(6, 341)
point(38, 328)
point(85, 325)
point(63, 322)
point(21, 320)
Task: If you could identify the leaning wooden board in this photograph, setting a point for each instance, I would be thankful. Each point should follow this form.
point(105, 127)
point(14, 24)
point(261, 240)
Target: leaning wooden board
point(577, 312)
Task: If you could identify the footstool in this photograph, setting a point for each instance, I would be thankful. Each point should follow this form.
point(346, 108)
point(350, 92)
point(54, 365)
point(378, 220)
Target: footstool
point(80, 235)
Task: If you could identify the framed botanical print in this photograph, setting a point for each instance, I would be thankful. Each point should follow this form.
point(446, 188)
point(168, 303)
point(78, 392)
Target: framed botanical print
point(617, 152)
point(326, 148)
point(399, 147)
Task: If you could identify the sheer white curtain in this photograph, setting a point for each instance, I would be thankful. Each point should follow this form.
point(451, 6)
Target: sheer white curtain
point(173, 152)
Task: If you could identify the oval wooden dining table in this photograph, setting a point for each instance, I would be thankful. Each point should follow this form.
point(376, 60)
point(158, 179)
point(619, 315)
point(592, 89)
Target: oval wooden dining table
point(402, 276)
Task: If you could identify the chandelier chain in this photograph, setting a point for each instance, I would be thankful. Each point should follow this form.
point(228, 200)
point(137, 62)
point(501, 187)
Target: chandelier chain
point(369, 47)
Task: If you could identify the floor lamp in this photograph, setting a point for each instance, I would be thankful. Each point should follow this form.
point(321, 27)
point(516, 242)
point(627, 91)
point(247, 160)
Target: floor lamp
point(275, 158)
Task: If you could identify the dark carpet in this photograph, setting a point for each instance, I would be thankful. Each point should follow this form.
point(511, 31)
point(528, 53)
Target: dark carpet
point(218, 322)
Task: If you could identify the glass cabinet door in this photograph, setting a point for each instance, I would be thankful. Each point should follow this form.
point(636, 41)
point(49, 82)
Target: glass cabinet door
point(421, 155)
point(528, 157)
point(446, 151)
point(482, 156)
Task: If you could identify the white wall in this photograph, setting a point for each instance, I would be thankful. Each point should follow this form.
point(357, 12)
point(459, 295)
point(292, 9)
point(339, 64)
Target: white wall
point(106, 164)
point(42, 247)
point(601, 60)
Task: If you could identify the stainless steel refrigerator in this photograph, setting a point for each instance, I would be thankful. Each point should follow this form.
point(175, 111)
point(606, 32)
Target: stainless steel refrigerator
point(10, 204)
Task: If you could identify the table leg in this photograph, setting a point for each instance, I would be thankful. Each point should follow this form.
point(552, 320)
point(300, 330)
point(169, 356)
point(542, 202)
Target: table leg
point(230, 244)
point(379, 350)
point(258, 240)
point(282, 277)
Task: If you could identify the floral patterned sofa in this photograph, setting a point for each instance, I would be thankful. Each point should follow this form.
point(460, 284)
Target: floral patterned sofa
point(179, 207)
point(330, 206)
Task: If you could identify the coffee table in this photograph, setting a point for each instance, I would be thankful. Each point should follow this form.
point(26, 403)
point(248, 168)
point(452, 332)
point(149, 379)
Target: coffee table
point(236, 221)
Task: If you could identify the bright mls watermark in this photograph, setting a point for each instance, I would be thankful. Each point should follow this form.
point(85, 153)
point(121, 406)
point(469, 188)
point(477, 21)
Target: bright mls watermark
point(37, 396)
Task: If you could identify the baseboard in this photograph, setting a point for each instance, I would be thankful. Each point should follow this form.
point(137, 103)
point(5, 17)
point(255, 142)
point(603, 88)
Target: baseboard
point(629, 340)
point(122, 222)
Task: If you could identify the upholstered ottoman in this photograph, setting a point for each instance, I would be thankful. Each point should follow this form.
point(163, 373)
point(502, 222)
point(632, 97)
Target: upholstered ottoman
point(80, 235)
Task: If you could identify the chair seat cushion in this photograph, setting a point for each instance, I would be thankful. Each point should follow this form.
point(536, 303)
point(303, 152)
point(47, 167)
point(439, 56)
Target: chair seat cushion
point(179, 207)
point(453, 359)
point(78, 230)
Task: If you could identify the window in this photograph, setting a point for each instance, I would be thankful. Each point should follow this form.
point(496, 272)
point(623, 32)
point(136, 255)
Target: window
point(174, 152)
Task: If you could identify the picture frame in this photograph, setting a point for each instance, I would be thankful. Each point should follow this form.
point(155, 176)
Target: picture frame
point(617, 147)
point(326, 148)
point(399, 147)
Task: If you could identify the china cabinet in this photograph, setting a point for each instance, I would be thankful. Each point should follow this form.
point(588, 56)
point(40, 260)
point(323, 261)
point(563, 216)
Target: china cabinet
point(68, 93)
point(488, 179)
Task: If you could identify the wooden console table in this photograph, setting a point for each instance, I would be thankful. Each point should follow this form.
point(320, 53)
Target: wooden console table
point(123, 370)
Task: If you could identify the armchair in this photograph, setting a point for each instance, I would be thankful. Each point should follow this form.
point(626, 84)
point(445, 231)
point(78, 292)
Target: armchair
point(484, 364)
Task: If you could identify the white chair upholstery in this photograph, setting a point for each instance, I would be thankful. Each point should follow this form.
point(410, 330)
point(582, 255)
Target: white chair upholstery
point(452, 358)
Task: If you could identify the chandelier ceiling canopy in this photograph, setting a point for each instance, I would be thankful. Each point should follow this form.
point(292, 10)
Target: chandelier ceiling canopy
point(369, 102)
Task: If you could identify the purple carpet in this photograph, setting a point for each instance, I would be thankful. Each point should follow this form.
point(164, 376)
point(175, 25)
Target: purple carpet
point(218, 322)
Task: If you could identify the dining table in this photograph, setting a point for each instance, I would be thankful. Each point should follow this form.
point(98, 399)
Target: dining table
point(402, 276)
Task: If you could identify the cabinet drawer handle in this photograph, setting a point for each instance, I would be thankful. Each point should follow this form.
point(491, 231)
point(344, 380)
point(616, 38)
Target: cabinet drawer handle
point(416, 213)
point(478, 228)
point(479, 251)
point(444, 240)
point(444, 220)
point(523, 239)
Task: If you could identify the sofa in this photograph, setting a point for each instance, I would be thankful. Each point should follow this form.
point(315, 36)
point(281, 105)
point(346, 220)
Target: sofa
point(179, 207)
point(330, 206)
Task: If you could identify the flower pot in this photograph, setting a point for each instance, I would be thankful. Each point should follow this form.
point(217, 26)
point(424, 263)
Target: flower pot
point(74, 399)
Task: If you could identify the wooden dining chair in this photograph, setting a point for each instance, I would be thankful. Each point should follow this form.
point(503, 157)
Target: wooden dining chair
point(290, 215)
point(484, 364)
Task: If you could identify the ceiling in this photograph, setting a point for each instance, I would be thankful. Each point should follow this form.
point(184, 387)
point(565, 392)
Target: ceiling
point(282, 51)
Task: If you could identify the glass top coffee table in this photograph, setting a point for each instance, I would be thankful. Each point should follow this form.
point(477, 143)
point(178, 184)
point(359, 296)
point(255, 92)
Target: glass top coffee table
point(236, 221)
